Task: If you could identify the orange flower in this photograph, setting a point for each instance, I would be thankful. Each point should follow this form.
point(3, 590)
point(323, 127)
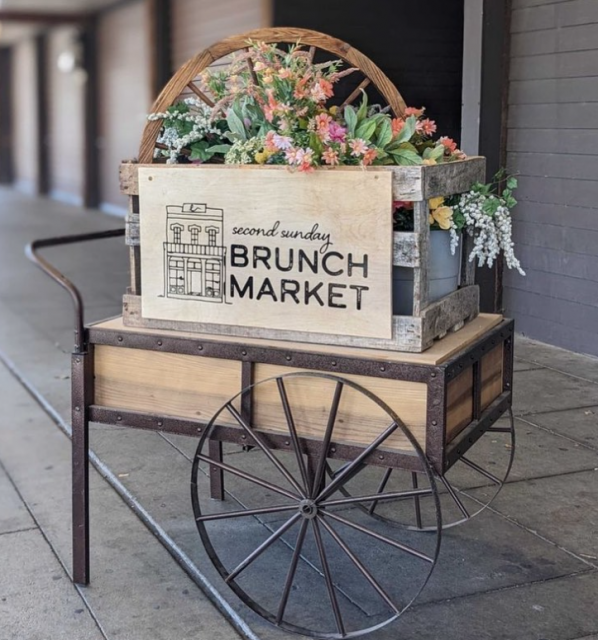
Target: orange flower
point(397, 125)
point(369, 156)
point(412, 111)
point(330, 156)
point(448, 143)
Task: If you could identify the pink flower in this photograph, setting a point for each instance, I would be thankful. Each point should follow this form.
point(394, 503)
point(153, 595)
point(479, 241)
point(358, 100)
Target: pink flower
point(285, 73)
point(358, 147)
point(369, 156)
point(426, 127)
point(282, 143)
point(322, 121)
point(321, 125)
point(307, 161)
point(448, 143)
point(337, 133)
point(293, 155)
point(269, 142)
point(330, 156)
point(412, 111)
point(317, 93)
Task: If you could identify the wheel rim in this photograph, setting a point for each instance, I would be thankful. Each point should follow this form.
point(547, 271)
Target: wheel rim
point(311, 536)
point(453, 494)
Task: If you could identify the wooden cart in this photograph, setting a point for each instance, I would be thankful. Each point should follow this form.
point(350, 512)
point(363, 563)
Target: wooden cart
point(317, 465)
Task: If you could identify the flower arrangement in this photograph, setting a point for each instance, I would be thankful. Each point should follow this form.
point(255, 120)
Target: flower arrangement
point(484, 213)
point(270, 108)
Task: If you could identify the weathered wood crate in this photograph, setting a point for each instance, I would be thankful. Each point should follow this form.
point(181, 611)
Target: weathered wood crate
point(404, 333)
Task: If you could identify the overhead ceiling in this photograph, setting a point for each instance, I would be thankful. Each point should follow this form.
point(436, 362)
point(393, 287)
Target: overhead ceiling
point(13, 31)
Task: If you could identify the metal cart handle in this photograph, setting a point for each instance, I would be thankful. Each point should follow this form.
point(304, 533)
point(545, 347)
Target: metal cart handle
point(31, 251)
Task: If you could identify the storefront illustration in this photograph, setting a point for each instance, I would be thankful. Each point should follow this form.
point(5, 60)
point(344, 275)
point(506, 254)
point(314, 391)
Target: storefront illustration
point(194, 253)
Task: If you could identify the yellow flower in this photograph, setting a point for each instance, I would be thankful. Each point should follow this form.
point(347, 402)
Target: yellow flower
point(436, 202)
point(261, 157)
point(443, 216)
point(333, 110)
point(429, 161)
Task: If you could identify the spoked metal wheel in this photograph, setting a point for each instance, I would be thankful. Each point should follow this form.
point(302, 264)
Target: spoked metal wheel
point(487, 463)
point(283, 537)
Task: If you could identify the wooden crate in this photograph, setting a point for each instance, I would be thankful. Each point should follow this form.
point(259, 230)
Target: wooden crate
point(414, 333)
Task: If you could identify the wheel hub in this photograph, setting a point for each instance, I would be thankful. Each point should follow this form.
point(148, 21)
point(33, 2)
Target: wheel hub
point(308, 509)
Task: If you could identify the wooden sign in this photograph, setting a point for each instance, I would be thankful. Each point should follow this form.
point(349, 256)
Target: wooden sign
point(268, 247)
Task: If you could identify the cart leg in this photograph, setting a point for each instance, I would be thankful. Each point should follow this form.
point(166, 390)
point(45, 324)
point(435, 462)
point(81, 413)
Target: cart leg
point(216, 474)
point(82, 391)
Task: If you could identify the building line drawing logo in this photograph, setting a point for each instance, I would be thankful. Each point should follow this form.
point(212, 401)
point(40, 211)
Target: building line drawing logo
point(194, 253)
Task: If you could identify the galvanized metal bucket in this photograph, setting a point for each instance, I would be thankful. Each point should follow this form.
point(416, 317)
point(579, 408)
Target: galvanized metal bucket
point(443, 275)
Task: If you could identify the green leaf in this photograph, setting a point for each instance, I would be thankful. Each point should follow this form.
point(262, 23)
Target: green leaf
point(365, 130)
point(315, 143)
point(437, 152)
point(219, 148)
point(512, 183)
point(351, 120)
point(384, 132)
point(200, 151)
point(363, 107)
point(236, 125)
point(406, 157)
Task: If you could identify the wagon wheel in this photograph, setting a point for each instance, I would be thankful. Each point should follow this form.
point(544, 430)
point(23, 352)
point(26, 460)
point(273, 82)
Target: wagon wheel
point(283, 537)
point(185, 79)
point(476, 467)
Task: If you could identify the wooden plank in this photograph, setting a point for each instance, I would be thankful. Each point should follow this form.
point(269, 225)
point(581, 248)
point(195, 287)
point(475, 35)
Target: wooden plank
point(163, 383)
point(459, 403)
point(268, 251)
point(359, 420)
point(408, 333)
point(421, 213)
point(409, 183)
point(453, 177)
point(492, 375)
point(441, 351)
point(405, 250)
point(448, 313)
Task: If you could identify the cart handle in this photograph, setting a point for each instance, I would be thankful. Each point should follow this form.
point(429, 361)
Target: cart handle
point(31, 251)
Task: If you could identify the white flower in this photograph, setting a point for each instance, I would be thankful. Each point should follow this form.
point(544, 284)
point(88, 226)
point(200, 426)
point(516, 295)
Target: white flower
point(491, 233)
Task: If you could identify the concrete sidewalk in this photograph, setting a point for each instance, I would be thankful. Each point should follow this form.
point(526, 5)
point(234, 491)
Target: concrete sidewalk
point(526, 569)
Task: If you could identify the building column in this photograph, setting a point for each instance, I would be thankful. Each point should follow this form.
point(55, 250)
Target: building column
point(42, 89)
point(6, 152)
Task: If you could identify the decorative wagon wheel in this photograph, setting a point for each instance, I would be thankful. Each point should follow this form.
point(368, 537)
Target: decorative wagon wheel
point(478, 467)
point(185, 80)
point(284, 538)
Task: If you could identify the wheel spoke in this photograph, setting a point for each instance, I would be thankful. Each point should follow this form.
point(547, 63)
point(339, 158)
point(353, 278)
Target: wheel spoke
point(293, 431)
point(355, 93)
point(292, 570)
point(258, 552)
point(328, 578)
point(381, 488)
point(479, 469)
point(416, 504)
point(251, 68)
point(326, 440)
point(378, 536)
point(264, 447)
point(357, 465)
point(454, 496)
point(360, 566)
point(249, 477)
point(376, 497)
point(200, 94)
point(247, 512)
